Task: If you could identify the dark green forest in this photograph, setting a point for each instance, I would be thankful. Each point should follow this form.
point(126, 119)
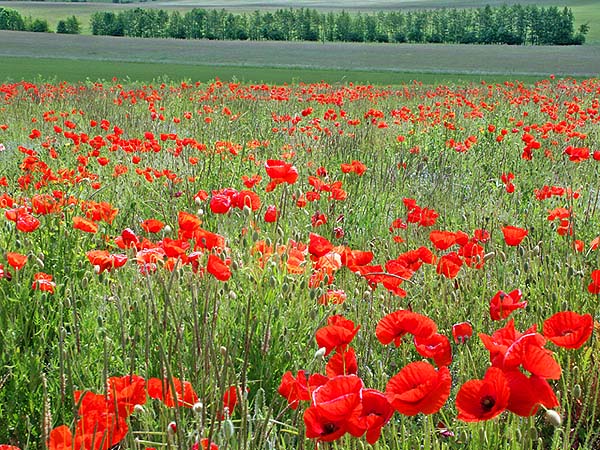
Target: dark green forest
point(513, 25)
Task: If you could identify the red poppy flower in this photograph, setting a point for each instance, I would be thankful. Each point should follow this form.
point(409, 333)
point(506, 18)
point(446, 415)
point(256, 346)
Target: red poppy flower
point(499, 342)
point(220, 204)
point(188, 224)
point(318, 245)
point(152, 225)
point(230, 399)
point(339, 399)
point(342, 363)
point(332, 297)
point(204, 445)
point(337, 334)
point(247, 198)
point(449, 265)
point(60, 438)
point(27, 223)
point(375, 412)
point(43, 282)
point(568, 329)
point(322, 429)
point(483, 399)
point(442, 240)
point(594, 286)
point(219, 269)
point(461, 332)
point(281, 172)
point(399, 323)
point(271, 214)
point(294, 389)
point(102, 260)
point(528, 393)
point(16, 260)
point(162, 390)
point(514, 235)
point(419, 388)
point(125, 392)
point(6, 446)
point(528, 352)
point(502, 304)
point(436, 347)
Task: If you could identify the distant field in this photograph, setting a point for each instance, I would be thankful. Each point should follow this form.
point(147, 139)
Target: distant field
point(16, 68)
point(291, 56)
point(585, 11)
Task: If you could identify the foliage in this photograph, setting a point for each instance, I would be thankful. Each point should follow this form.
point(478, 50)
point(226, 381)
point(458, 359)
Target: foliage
point(502, 25)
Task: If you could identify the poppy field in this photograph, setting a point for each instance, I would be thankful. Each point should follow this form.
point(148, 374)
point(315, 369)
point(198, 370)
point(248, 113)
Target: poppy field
point(218, 265)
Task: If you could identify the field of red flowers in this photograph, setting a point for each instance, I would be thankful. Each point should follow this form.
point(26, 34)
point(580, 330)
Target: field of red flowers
point(230, 266)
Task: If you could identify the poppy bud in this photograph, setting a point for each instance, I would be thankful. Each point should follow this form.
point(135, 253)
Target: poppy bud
point(247, 210)
point(223, 351)
point(171, 428)
point(319, 354)
point(197, 408)
point(526, 266)
point(577, 391)
point(197, 201)
point(536, 250)
point(167, 229)
point(521, 251)
point(228, 429)
point(532, 434)
point(232, 295)
point(139, 409)
point(255, 236)
point(502, 255)
point(553, 418)
point(39, 262)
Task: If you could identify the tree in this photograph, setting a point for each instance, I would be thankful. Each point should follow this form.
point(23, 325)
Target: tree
point(68, 26)
point(10, 19)
point(39, 26)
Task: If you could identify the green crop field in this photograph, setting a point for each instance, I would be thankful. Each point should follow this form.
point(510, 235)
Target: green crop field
point(585, 11)
point(98, 56)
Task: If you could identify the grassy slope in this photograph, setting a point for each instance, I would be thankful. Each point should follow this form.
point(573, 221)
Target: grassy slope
point(408, 58)
point(586, 11)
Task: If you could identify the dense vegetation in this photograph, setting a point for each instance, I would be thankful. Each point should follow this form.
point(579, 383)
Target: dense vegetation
point(513, 25)
point(505, 25)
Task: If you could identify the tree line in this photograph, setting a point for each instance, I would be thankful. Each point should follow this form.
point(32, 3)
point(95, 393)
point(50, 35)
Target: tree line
point(12, 20)
point(514, 25)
